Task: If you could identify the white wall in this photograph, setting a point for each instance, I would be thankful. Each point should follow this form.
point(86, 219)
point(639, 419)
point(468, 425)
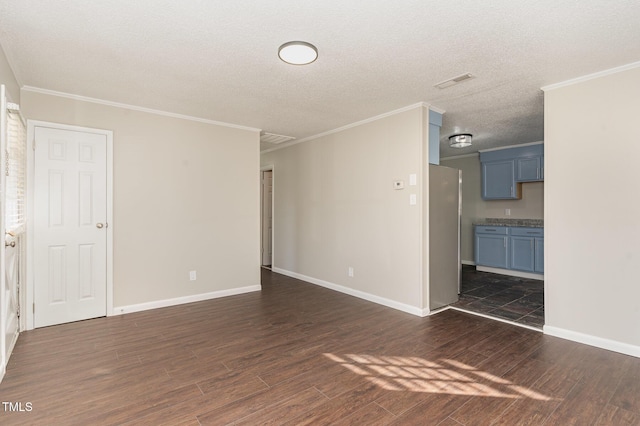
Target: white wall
point(186, 197)
point(8, 79)
point(592, 211)
point(335, 208)
point(531, 206)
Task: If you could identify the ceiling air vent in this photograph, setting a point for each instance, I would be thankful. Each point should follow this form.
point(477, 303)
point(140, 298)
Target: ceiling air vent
point(454, 81)
point(274, 139)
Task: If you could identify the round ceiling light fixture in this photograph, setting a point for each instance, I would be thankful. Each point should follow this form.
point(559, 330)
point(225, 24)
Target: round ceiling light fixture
point(298, 53)
point(460, 140)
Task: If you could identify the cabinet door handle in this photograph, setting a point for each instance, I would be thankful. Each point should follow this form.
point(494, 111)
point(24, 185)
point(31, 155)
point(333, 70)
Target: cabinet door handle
point(532, 232)
point(505, 242)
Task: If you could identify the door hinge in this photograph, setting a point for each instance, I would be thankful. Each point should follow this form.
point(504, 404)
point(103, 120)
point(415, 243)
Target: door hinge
point(34, 308)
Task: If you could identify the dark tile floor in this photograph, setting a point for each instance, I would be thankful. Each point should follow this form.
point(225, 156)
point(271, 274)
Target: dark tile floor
point(519, 300)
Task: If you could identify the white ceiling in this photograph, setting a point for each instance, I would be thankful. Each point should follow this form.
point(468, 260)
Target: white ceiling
point(218, 59)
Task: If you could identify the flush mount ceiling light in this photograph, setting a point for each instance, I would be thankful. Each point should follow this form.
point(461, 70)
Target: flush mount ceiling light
point(298, 53)
point(461, 140)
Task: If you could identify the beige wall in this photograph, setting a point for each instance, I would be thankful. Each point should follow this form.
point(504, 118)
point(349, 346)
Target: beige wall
point(592, 209)
point(186, 197)
point(531, 206)
point(335, 207)
point(8, 79)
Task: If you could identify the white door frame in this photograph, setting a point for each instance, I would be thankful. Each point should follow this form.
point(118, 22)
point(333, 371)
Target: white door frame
point(3, 304)
point(27, 289)
point(267, 168)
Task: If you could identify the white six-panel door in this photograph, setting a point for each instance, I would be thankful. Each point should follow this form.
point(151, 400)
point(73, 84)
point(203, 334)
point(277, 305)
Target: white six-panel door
point(70, 222)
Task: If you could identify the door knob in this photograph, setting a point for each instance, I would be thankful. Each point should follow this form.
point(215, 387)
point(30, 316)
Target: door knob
point(99, 225)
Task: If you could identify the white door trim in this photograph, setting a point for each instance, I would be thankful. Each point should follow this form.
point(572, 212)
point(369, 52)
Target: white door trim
point(27, 289)
point(271, 168)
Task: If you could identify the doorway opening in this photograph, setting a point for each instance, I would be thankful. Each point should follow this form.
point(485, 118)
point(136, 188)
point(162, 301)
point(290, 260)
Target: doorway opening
point(266, 217)
point(505, 297)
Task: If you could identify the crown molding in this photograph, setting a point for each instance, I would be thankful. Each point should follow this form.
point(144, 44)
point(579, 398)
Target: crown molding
point(590, 76)
point(352, 125)
point(457, 157)
point(511, 146)
point(436, 109)
point(136, 108)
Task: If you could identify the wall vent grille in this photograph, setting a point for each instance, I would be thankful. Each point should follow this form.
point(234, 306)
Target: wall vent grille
point(455, 80)
point(274, 139)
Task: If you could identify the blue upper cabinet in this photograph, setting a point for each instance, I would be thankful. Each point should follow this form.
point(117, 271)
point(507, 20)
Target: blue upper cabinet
point(529, 169)
point(498, 180)
point(435, 123)
point(504, 170)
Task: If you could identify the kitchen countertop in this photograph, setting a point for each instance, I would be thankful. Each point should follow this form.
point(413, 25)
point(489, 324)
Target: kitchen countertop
point(527, 223)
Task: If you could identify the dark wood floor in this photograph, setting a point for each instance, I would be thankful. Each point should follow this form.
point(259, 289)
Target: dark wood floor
point(299, 354)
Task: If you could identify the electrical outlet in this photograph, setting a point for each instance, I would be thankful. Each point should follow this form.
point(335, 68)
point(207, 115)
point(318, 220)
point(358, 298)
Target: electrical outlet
point(350, 271)
point(507, 212)
point(192, 275)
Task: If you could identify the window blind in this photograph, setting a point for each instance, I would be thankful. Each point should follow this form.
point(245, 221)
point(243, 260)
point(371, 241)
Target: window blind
point(15, 215)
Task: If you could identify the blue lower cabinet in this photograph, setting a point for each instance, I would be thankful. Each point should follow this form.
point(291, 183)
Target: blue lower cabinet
point(522, 254)
point(515, 248)
point(539, 263)
point(491, 248)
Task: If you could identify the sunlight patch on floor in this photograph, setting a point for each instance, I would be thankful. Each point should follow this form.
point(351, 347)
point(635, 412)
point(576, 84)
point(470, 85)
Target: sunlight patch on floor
point(420, 375)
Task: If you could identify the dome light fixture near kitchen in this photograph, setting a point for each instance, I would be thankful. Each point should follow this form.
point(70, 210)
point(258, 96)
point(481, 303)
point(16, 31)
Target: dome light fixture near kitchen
point(298, 53)
point(461, 140)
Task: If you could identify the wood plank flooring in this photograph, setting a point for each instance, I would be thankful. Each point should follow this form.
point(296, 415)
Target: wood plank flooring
point(298, 354)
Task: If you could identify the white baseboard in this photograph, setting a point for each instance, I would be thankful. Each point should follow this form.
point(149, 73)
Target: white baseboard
point(510, 272)
point(598, 342)
point(185, 299)
point(414, 310)
point(468, 262)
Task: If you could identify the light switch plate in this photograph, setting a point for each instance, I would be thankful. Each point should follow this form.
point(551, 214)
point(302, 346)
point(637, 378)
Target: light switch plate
point(413, 199)
point(413, 179)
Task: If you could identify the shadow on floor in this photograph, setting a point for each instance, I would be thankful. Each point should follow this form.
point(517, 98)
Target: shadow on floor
point(520, 300)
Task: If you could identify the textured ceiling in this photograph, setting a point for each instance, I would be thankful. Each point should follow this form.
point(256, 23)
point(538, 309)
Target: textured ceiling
point(218, 59)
